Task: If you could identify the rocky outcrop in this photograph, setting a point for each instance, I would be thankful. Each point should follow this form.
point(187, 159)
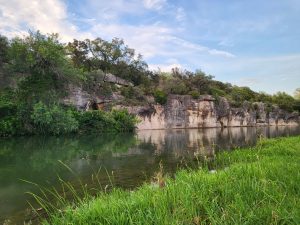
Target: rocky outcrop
point(181, 111)
point(116, 80)
point(84, 100)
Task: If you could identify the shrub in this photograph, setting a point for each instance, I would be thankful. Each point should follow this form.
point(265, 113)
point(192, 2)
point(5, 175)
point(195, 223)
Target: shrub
point(99, 121)
point(216, 92)
point(10, 126)
point(195, 94)
point(94, 121)
point(160, 97)
point(9, 120)
point(53, 119)
point(124, 120)
point(133, 95)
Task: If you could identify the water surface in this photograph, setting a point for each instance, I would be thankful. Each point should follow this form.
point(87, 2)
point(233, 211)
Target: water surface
point(131, 158)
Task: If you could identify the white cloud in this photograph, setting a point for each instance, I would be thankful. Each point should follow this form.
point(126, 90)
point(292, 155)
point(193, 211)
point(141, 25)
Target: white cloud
point(165, 67)
point(248, 81)
point(220, 53)
point(200, 48)
point(48, 16)
point(154, 4)
point(155, 40)
point(148, 40)
point(180, 14)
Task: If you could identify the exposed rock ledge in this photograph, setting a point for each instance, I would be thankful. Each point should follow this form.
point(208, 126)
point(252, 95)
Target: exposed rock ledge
point(181, 111)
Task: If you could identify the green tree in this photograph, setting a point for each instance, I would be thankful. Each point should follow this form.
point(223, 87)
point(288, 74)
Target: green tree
point(4, 47)
point(46, 69)
point(42, 54)
point(284, 101)
point(297, 94)
point(201, 81)
point(78, 51)
point(241, 94)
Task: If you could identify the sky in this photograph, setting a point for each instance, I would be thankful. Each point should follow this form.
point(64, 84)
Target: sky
point(248, 43)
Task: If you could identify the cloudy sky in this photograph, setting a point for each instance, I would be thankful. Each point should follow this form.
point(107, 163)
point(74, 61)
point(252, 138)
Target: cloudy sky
point(250, 43)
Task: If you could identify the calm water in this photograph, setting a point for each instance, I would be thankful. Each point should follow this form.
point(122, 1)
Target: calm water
point(132, 158)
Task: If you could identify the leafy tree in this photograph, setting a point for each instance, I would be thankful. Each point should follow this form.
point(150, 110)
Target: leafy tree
point(45, 66)
point(297, 94)
point(201, 81)
point(241, 94)
point(111, 57)
point(284, 101)
point(4, 47)
point(78, 51)
point(40, 53)
point(263, 97)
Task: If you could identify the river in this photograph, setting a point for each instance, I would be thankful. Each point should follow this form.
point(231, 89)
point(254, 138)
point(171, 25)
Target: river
point(129, 159)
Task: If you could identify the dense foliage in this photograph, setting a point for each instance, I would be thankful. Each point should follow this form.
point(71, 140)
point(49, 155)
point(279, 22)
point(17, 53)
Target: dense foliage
point(37, 71)
point(114, 121)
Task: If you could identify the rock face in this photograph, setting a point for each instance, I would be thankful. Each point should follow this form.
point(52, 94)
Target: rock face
point(181, 111)
point(116, 80)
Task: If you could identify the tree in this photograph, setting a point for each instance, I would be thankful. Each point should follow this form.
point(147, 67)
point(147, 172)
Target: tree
point(4, 46)
point(201, 81)
point(42, 54)
point(110, 57)
point(43, 61)
point(297, 94)
point(78, 50)
point(241, 94)
point(284, 101)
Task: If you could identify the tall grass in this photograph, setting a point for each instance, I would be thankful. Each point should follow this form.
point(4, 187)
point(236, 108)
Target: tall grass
point(257, 185)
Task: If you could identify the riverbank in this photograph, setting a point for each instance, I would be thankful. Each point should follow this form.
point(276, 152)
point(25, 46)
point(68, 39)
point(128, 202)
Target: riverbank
point(258, 185)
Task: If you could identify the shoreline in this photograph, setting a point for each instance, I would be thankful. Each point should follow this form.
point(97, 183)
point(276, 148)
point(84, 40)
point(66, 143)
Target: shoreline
point(247, 188)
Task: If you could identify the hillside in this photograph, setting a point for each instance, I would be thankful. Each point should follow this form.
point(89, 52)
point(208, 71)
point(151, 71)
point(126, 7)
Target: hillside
point(42, 80)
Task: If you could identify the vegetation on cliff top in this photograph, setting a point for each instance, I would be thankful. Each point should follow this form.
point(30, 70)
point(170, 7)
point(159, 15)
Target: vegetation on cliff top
point(37, 71)
point(255, 185)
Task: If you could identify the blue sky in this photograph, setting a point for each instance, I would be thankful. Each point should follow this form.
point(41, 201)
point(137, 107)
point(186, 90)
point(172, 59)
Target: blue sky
point(249, 43)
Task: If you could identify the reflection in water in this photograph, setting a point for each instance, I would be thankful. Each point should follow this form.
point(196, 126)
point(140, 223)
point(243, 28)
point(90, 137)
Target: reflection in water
point(132, 158)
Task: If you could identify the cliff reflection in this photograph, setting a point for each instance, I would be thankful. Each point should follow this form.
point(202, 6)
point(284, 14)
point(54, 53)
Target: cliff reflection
point(184, 142)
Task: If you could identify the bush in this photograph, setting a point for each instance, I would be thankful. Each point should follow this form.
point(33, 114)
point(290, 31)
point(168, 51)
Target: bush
point(94, 121)
point(100, 121)
point(10, 126)
point(53, 119)
point(124, 120)
point(160, 97)
point(195, 94)
point(216, 92)
point(133, 95)
point(9, 120)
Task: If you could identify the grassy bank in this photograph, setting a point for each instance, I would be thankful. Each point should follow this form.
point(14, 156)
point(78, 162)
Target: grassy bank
point(258, 185)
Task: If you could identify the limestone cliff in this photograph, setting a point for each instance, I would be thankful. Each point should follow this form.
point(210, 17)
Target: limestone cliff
point(181, 111)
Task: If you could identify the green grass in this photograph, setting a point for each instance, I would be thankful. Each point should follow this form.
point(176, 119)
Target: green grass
point(258, 185)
